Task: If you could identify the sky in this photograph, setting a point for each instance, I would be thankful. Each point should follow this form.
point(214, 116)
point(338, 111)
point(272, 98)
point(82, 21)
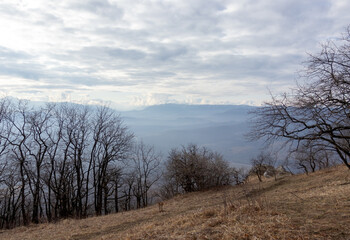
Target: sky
point(138, 53)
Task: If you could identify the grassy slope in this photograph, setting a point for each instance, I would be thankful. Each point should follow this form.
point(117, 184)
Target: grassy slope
point(296, 207)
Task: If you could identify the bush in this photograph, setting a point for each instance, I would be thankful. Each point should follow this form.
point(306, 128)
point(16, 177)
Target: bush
point(194, 168)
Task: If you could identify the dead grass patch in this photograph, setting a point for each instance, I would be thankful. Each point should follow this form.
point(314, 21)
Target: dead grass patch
point(316, 206)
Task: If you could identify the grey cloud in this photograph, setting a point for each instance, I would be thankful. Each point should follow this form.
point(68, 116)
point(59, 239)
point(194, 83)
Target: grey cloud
point(131, 36)
point(7, 54)
point(150, 74)
point(57, 86)
point(165, 53)
point(100, 53)
point(48, 19)
point(199, 18)
point(12, 64)
point(9, 10)
point(282, 23)
point(30, 91)
point(35, 16)
point(124, 53)
point(102, 8)
point(78, 80)
point(30, 71)
point(174, 43)
point(238, 67)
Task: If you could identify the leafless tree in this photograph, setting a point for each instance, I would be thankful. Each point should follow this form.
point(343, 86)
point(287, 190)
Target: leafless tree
point(116, 175)
point(219, 172)
point(260, 164)
point(193, 168)
point(4, 112)
point(17, 134)
point(145, 164)
point(318, 109)
point(311, 157)
point(37, 146)
point(59, 161)
point(111, 142)
point(77, 140)
point(127, 190)
point(240, 175)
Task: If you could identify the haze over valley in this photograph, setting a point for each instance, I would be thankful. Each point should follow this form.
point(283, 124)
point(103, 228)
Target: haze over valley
point(218, 127)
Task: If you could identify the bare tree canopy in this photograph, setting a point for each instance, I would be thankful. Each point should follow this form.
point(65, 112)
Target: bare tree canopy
point(194, 168)
point(310, 158)
point(261, 163)
point(59, 161)
point(146, 168)
point(318, 109)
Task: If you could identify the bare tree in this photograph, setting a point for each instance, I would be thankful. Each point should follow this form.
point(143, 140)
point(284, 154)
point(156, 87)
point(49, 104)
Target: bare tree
point(9, 197)
point(78, 133)
point(55, 134)
point(145, 164)
point(240, 175)
point(37, 147)
point(318, 109)
point(17, 134)
point(127, 191)
point(311, 157)
point(260, 164)
point(219, 172)
point(116, 175)
point(112, 142)
point(4, 133)
point(193, 168)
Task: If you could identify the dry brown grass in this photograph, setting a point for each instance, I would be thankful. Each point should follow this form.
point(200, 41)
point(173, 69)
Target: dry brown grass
point(294, 207)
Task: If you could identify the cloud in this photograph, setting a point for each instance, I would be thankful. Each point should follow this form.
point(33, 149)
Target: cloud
point(149, 52)
point(100, 8)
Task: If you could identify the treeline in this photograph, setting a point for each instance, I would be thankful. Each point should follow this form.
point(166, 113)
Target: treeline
point(61, 161)
point(65, 160)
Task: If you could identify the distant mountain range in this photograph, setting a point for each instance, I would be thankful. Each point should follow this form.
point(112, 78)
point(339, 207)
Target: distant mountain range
point(218, 127)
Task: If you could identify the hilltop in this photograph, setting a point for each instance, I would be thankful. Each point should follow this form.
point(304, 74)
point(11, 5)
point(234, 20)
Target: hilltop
point(314, 206)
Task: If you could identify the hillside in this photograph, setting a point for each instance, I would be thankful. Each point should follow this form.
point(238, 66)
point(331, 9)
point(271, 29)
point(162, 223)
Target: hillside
point(316, 206)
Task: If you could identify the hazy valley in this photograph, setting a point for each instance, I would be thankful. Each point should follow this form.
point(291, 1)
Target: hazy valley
point(218, 127)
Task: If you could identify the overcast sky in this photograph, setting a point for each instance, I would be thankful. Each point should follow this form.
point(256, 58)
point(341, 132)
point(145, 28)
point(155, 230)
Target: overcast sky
point(140, 52)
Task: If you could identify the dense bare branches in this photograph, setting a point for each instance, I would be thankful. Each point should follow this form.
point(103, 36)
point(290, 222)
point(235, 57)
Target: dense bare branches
point(310, 157)
point(66, 160)
point(318, 110)
point(58, 161)
point(145, 165)
point(111, 142)
point(260, 164)
point(193, 168)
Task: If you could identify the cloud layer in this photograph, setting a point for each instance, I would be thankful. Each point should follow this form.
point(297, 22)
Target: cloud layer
point(150, 52)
